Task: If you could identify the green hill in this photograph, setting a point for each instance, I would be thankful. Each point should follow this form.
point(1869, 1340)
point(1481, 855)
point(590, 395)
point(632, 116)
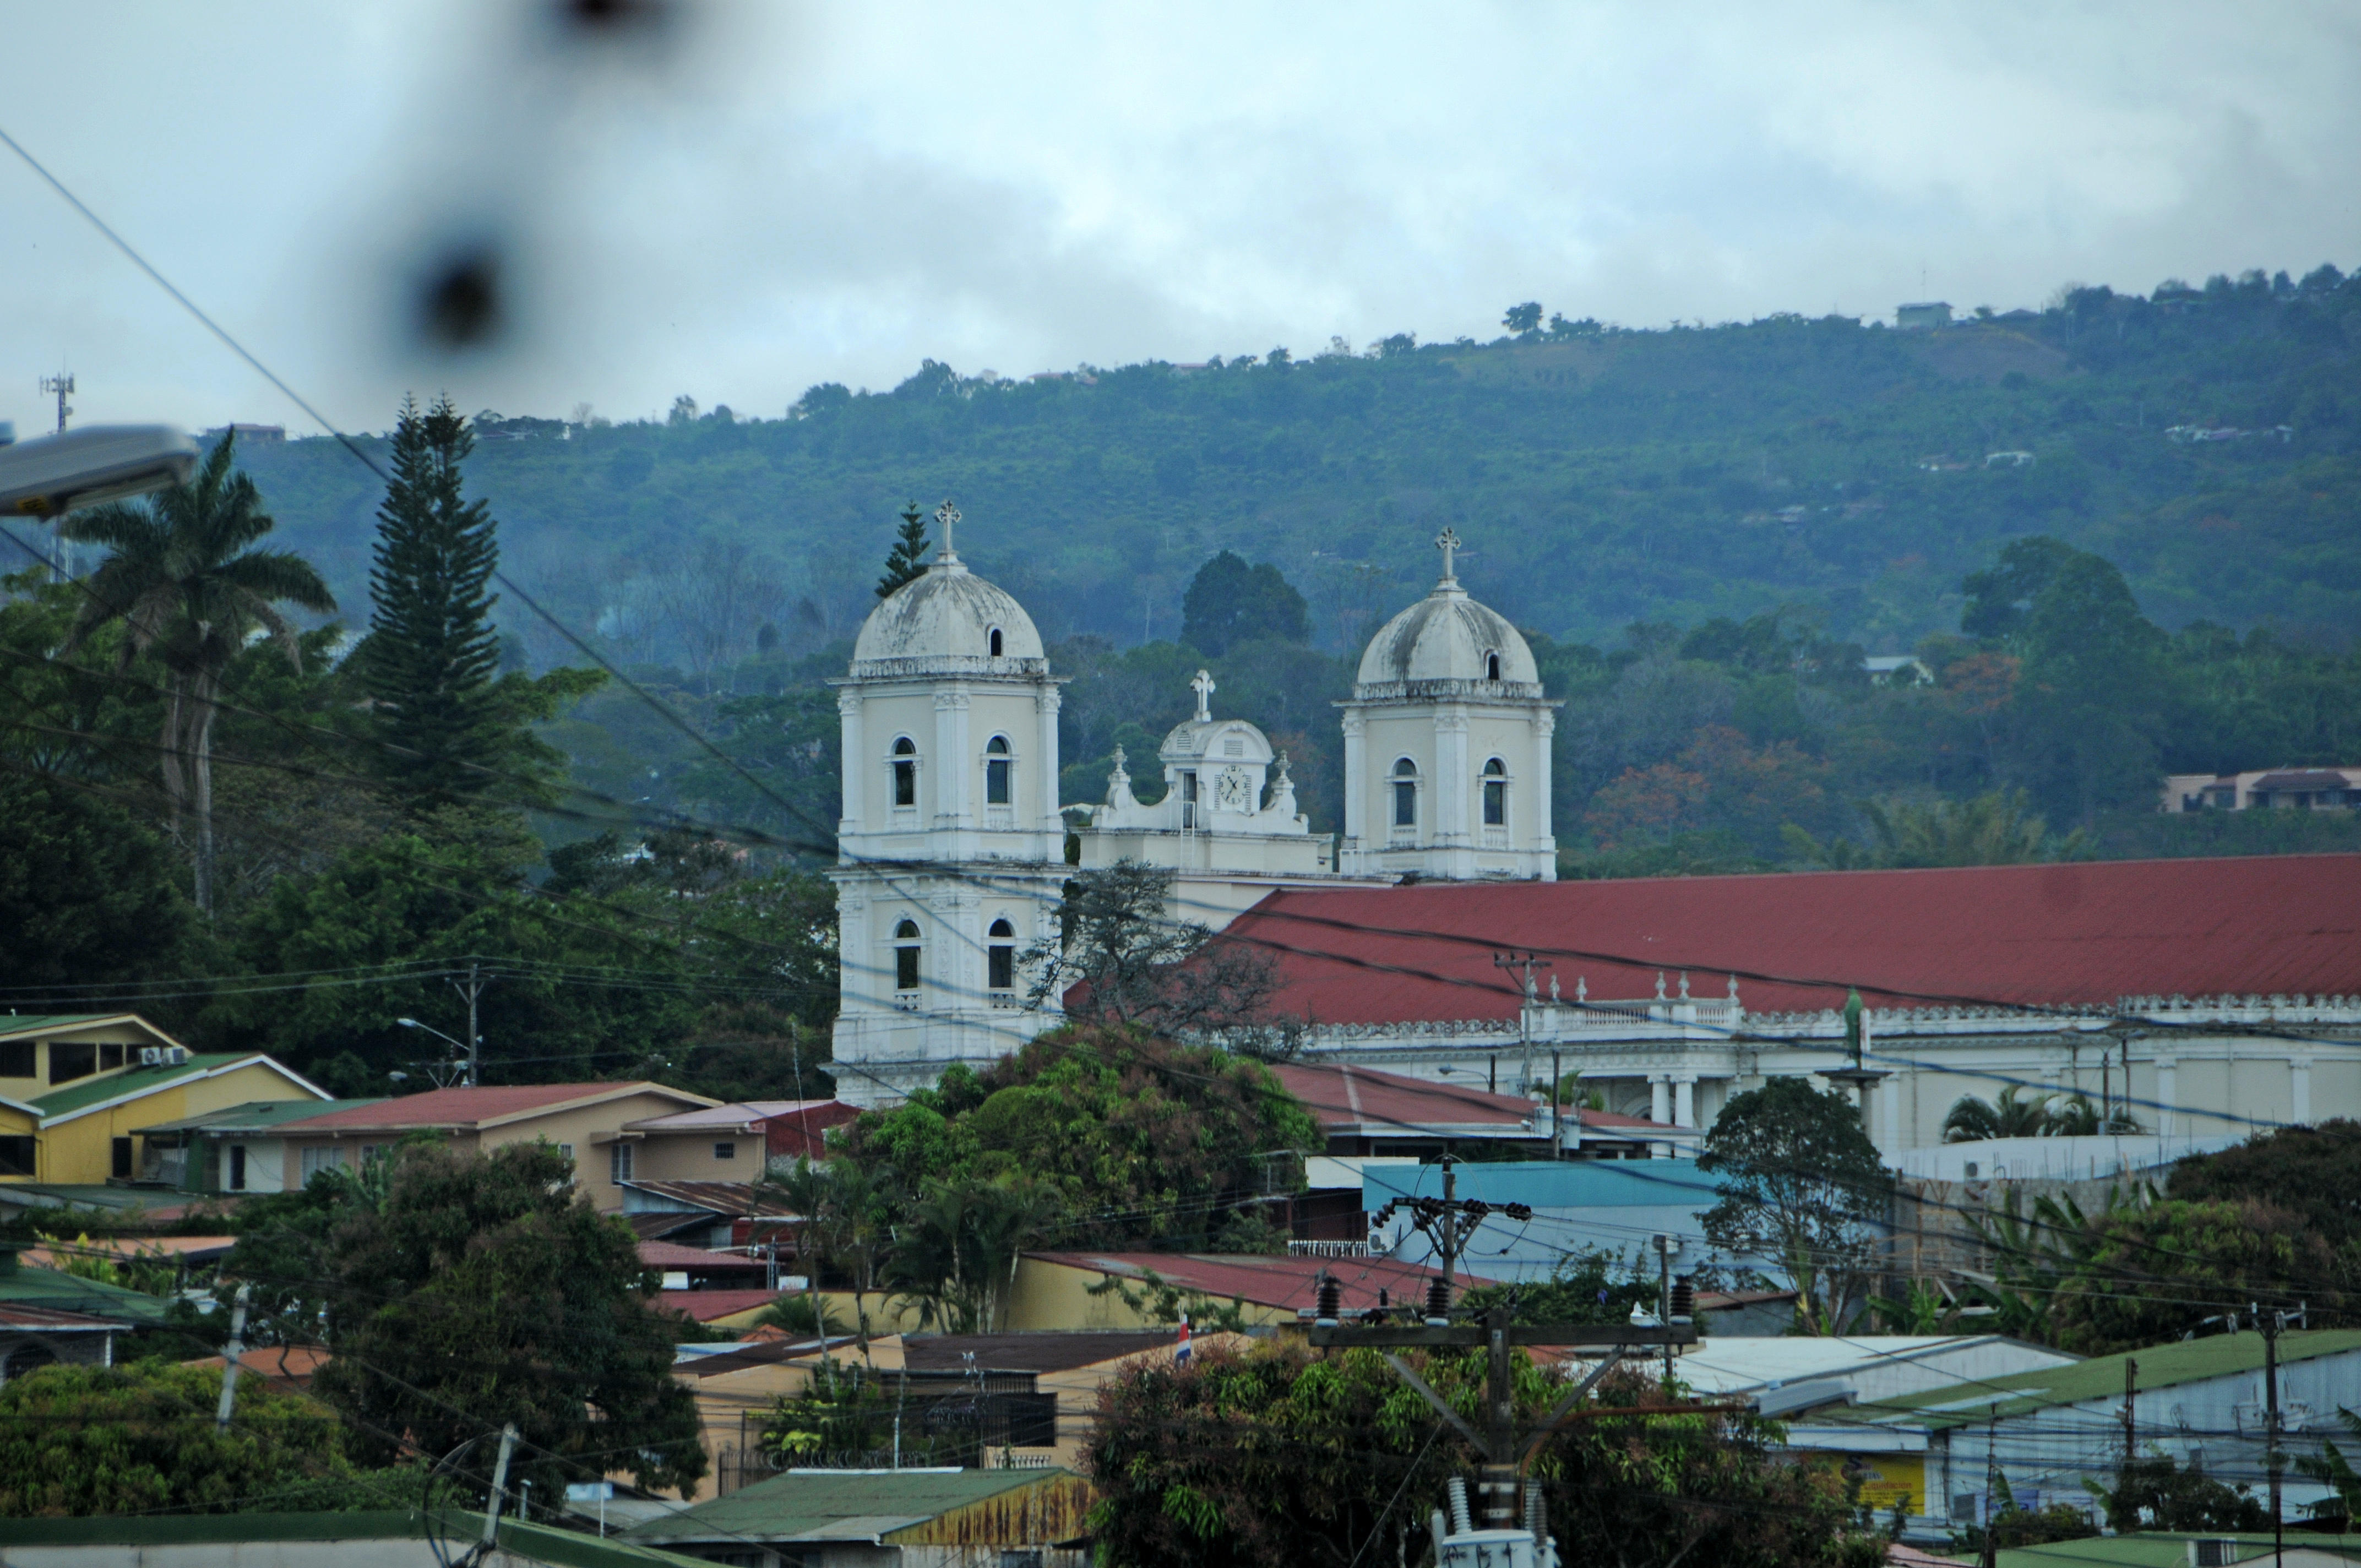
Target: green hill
point(1600, 477)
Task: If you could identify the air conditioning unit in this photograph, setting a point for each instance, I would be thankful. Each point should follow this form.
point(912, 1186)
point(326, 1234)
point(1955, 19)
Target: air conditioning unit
point(151, 1056)
point(2218, 1554)
point(176, 1055)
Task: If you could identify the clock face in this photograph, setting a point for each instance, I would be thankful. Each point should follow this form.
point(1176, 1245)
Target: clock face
point(1233, 791)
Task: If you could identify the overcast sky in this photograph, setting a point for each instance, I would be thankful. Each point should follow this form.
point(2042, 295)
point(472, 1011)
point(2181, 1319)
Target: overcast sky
point(774, 197)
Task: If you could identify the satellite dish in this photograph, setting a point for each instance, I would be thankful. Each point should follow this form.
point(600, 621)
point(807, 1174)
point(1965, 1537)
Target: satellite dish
point(51, 475)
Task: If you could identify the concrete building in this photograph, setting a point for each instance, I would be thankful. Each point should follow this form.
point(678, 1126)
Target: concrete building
point(1925, 316)
point(2207, 998)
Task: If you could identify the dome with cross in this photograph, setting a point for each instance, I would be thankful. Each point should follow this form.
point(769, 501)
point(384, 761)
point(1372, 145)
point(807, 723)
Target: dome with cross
point(948, 620)
point(1447, 644)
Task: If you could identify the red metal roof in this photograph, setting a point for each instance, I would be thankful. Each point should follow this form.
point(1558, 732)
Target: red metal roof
point(52, 1320)
point(672, 1254)
point(707, 1305)
point(1342, 1097)
point(2069, 935)
point(1267, 1281)
point(457, 1107)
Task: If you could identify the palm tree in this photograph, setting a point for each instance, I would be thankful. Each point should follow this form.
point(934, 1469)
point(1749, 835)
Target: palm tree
point(1972, 1119)
point(185, 582)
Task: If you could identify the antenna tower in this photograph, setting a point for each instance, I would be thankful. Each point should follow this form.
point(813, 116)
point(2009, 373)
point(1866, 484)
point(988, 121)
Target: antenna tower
point(62, 385)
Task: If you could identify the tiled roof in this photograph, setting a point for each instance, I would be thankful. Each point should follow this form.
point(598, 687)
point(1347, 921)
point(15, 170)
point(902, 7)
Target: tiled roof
point(2075, 934)
point(1267, 1281)
point(469, 1107)
point(1344, 1098)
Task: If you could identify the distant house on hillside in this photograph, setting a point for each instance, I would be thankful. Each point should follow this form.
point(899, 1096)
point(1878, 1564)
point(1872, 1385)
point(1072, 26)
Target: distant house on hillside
point(2279, 789)
point(1923, 317)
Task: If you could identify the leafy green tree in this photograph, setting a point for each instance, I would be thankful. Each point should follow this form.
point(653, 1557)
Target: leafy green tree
point(1589, 1285)
point(79, 1441)
point(1524, 318)
point(2010, 1115)
point(2154, 1493)
point(1802, 1188)
point(2331, 1468)
point(2313, 1172)
point(1280, 1456)
point(1996, 828)
point(185, 577)
point(1229, 602)
point(87, 894)
point(482, 1290)
point(907, 562)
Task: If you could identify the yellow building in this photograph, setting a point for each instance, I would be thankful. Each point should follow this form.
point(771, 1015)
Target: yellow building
point(76, 1092)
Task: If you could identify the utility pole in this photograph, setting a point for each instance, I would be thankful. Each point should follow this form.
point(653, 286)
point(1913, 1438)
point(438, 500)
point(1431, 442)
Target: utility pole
point(1527, 994)
point(472, 989)
point(2131, 1390)
point(2270, 1325)
point(500, 1489)
point(231, 1355)
point(1991, 1557)
point(1667, 1245)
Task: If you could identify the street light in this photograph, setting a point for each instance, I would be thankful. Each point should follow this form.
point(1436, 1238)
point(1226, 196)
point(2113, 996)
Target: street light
point(52, 475)
point(465, 1051)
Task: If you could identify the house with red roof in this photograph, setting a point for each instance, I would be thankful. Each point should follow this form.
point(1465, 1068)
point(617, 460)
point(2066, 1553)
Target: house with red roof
point(586, 1122)
point(2199, 997)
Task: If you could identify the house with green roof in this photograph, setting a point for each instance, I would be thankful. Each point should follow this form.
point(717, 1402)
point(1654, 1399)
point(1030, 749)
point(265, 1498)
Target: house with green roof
point(358, 1540)
point(79, 1091)
point(886, 1519)
point(2050, 1432)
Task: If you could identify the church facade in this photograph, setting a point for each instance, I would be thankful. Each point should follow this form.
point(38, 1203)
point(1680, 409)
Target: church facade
point(954, 850)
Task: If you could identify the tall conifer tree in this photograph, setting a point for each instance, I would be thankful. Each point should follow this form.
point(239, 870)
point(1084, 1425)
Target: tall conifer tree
point(908, 561)
point(432, 653)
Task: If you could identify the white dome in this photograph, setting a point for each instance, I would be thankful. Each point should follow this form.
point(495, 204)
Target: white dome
point(945, 619)
point(1448, 637)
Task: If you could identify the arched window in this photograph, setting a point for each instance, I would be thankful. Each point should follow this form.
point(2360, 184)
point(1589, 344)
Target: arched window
point(1496, 792)
point(1491, 666)
point(1000, 957)
point(995, 763)
point(992, 640)
point(906, 772)
point(1405, 794)
point(906, 956)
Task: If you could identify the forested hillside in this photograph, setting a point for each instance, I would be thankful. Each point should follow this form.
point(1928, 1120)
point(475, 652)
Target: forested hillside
point(1600, 475)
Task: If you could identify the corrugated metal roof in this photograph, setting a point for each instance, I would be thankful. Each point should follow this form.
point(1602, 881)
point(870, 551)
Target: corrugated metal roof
point(746, 1113)
point(56, 1320)
point(1267, 1281)
point(1344, 1098)
point(672, 1254)
point(255, 1116)
point(707, 1305)
point(27, 1287)
point(468, 1107)
point(2068, 934)
point(839, 1505)
point(1047, 1350)
point(2100, 1377)
point(135, 1082)
point(2163, 1549)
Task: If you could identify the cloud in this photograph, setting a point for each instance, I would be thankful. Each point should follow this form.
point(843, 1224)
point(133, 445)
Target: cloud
point(794, 196)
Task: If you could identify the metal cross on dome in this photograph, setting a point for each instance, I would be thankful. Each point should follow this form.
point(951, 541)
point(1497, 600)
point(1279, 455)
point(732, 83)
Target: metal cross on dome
point(947, 515)
point(1447, 541)
point(1203, 686)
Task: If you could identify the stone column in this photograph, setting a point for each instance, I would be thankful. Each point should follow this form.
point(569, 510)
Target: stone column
point(1685, 1100)
point(1544, 725)
point(1660, 1098)
point(1356, 784)
point(1045, 706)
point(852, 761)
point(954, 765)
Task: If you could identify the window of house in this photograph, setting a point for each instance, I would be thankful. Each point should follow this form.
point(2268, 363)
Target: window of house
point(1405, 794)
point(906, 772)
point(725, 1151)
point(566, 1149)
point(1491, 666)
point(906, 956)
point(118, 1161)
point(17, 1058)
point(991, 640)
point(110, 1058)
point(16, 1156)
point(1496, 794)
point(1000, 957)
point(619, 1163)
point(69, 1061)
point(995, 769)
point(320, 1157)
point(236, 1168)
point(369, 1152)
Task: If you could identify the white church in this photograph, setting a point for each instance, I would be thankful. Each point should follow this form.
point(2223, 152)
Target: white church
point(953, 846)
